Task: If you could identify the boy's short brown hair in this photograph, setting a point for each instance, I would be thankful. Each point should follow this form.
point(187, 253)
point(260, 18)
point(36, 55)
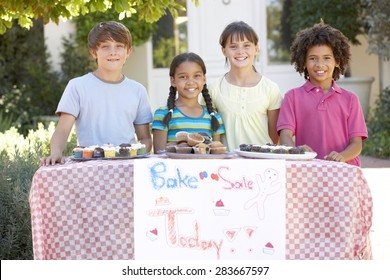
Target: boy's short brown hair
point(109, 31)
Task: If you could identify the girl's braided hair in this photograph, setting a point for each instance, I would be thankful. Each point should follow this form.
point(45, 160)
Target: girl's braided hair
point(179, 59)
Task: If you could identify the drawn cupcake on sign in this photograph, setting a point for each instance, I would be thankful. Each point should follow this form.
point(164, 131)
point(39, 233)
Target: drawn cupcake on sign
point(220, 209)
point(269, 249)
point(152, 234)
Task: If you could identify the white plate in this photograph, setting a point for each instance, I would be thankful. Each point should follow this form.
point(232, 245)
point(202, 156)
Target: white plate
point(199, 156)
point(305, 156)
point(113, 158)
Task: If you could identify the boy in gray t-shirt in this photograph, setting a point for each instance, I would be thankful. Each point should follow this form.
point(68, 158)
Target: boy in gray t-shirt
point(105, 106)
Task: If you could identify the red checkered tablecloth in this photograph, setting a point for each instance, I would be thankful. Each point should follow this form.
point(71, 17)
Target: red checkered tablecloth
point(328, 211)
point(84, 210)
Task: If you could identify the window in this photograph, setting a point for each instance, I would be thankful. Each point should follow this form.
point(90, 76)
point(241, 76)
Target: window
point(278, 37)
point(170, 38)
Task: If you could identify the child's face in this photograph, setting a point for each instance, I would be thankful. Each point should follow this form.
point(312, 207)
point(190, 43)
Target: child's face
point(189, 80)
point(240, 53)
point(320, 63)
point(111, 55)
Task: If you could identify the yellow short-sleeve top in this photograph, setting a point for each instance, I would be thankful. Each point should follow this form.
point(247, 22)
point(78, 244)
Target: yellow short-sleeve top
point(244, 110)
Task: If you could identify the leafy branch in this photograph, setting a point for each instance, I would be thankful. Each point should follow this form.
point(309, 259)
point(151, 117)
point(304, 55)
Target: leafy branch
point(25, 11)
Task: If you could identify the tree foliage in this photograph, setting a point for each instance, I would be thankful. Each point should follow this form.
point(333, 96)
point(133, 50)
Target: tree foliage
point(376, 22)
point(25, 11)
point(28, 86)
point(343, 15)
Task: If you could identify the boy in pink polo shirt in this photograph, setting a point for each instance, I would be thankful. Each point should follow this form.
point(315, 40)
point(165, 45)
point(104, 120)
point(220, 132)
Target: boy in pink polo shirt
point(323, 117)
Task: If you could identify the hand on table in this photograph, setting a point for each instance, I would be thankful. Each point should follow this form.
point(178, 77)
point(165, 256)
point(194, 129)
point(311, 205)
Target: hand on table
point(334, 156)
point(52, 160)
point(306, 148)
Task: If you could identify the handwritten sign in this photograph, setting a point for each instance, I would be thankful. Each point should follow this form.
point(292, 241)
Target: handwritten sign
point(209, 209)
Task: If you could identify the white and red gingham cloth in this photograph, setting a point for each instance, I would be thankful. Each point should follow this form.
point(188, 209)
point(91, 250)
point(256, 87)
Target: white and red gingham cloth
point(84, 210)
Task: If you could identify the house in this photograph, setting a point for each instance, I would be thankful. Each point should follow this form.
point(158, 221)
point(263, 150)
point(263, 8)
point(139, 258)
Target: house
point(204, 25)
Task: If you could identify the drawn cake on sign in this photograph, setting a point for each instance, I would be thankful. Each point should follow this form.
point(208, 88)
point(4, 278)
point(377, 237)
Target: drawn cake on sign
point(162, 201)
point(220, 209)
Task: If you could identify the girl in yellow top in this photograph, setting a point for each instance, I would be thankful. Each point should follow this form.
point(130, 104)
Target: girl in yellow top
point(247, 101)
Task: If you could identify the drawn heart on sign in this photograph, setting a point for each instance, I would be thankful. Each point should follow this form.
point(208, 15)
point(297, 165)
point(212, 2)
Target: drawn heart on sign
point(203, 175)
point(214, 176)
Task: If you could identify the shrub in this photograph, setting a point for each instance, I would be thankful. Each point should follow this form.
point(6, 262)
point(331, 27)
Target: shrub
point(28, 86)
point(19, 159)
point(378, 125)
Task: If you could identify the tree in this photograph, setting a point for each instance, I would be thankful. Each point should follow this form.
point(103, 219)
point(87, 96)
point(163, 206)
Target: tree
point(25, 11)
point(376, 23)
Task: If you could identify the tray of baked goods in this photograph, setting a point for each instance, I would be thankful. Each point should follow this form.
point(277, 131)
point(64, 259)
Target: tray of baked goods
point(110, 152)
point(195, 146)
point(271, 151)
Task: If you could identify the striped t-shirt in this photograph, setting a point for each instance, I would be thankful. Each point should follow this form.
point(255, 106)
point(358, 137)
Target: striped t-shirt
point(182, 122)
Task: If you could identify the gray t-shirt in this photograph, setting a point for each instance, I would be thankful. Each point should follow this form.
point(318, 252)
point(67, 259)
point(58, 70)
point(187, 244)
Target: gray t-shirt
point(105, 112)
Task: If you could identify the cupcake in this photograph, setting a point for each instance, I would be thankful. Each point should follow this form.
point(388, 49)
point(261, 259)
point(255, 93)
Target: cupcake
point(194, 138)
point(220, 209)
point(109, 152)
point(88, 152)
point(268, 249)
point(183, 148)
point(170, 147)
point(123, 151)
point(201, 148)
point(216, 147)
point(98, 152)
point(78, 152)
point(133, 152)
point(181, 136)
point(139, 148)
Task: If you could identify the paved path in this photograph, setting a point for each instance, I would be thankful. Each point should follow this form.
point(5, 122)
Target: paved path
point(371, 162)
point(377, 173)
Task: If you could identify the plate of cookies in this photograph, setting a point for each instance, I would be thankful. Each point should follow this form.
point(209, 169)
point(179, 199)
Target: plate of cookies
point(271, 151)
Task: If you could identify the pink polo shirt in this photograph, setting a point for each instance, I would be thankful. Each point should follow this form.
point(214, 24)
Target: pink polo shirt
point(325, 122)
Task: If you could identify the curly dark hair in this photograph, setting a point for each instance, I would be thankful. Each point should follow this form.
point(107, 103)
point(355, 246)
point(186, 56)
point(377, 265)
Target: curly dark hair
point(320, 34)
point(177, 60)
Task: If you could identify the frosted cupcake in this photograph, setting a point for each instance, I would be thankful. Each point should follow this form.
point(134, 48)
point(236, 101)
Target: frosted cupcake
point(220, 209)
point(268, 249)
point(98, 152)
point(88, 152)
point(109, 151)
point(78, 152)
point(140, 148)
point(133, 151)
point(123, 152)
